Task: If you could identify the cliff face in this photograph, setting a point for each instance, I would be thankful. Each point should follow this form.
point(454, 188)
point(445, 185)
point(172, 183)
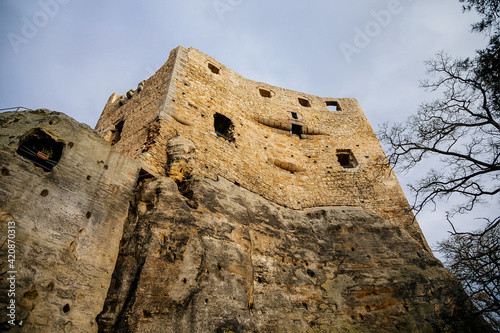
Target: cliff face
point(64, 196)
point(228, 260)
point(101, 244)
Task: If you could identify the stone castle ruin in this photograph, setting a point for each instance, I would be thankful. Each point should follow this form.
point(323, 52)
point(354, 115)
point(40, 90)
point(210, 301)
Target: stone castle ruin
point(207, 202)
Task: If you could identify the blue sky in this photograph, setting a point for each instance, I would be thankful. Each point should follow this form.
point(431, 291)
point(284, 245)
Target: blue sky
point(71, 55)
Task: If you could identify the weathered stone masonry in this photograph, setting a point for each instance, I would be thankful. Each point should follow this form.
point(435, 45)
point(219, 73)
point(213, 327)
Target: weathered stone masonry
point(295, 149)
point(69, 208)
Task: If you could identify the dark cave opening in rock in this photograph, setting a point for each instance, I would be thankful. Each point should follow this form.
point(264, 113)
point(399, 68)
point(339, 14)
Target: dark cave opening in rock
point(41, 149)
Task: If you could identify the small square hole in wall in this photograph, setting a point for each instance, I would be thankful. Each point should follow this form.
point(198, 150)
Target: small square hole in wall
point(333, 106)
point(265, 93)
point(213, 68)
point(296, 129)
point(346, 158)
point(294, 115)
point(304, 102)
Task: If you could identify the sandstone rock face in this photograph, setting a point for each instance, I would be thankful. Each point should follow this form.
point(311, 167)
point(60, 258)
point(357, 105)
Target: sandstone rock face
point(239, 263)
point(213, 203)
point(66, 216)
point(102, 244)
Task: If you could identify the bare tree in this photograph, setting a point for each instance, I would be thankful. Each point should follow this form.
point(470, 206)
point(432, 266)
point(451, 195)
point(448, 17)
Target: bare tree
point(474, 257)
point(460, 134)
point(462, 129)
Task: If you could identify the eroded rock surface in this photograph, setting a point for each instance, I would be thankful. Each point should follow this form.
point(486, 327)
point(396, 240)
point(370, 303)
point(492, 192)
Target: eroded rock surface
point(64, 193)
point(239, 263)
point(180, 162)
point(103, 244)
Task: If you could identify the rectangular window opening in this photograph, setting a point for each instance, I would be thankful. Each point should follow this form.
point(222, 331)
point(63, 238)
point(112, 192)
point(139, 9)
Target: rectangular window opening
point(224, 127)
point(333, 106)
point(346, 158)
point(296, 129)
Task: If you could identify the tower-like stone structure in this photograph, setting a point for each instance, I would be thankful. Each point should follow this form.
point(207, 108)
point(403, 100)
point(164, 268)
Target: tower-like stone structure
point(294, 149)
point(207, 202)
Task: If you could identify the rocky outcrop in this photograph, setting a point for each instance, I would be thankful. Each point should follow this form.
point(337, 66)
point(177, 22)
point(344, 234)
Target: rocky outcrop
point(64, 197)
point(103, 244)
point(239, 263)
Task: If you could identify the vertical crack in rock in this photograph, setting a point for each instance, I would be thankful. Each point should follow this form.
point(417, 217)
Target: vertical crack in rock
point(186, 189)
point(160, 264)
point(252, 273)
point(120, 323)
point(131, 258)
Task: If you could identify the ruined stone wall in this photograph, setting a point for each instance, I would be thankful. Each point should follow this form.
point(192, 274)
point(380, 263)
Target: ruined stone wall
point(67, 209)
point(131, 121)
point(334, 162)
